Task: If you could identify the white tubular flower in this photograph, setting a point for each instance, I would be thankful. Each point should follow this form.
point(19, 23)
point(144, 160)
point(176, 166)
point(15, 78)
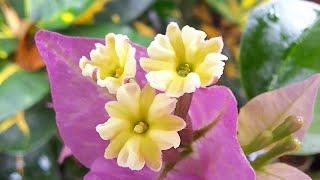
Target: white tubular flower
point(182, 60)
point(110, 64)
point(140, 126)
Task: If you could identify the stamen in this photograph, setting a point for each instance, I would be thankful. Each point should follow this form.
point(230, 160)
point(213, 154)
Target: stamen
point(184, 69)
point(118, 72)
point(140, 127)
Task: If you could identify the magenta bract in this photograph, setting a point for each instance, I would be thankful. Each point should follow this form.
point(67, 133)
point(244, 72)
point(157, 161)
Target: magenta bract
point(79, 105)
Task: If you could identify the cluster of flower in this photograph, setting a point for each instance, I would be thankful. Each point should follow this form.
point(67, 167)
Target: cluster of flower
point(141, 122)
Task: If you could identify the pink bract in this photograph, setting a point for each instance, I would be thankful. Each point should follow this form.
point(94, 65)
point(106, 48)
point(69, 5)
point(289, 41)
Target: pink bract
point(79, 106)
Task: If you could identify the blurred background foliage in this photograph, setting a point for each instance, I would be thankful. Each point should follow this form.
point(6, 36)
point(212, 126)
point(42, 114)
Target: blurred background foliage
point(268, 48)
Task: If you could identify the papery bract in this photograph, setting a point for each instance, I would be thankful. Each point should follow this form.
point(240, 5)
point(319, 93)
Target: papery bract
point(281, 171)
point(78, 101)
point(79, 105)
point(216, 155)
point(268, 110)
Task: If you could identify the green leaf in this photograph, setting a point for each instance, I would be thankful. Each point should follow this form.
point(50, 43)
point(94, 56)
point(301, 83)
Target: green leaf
point(55, 14)
point(38, 164)
point(7, 41)
point(41, 124)
point(233, 10)
point(18, 6)
point(280, 46)
point(20, 91)
point(7, 46)
point(100, 30)
point(127, 10)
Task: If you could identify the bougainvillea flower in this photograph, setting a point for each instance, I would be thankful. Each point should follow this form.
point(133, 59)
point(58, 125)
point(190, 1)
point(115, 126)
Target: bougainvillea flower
point(268, 110)
point(139, 128)
point(110, 64)
point(80, 106)
point(182, 60)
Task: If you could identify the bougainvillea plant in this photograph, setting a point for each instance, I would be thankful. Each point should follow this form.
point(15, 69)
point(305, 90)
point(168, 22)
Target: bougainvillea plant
point(127, 112)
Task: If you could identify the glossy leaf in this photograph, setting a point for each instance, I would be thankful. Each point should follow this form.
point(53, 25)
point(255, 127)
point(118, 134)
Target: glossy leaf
point(281, 171)
point(20, 91)
point(271, 32)
point(127, 10)
point(268, 110)
point(59, 15)
point(234, 10)
point(285, 51)
point(41, 124)
point(100, 30)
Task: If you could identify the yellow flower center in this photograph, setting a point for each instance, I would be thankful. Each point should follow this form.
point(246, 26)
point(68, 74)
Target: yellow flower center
point(141, 127)
point(184, 69)
point(118, 72)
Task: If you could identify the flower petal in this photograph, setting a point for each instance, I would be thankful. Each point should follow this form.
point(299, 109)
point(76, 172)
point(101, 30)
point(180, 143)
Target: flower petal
point(211, 69)
point(116, 110)
point(165, 139)
point(160, 79)
point(174, 34)
point(156, 65)
point(192, 40)
point(176, 86)
point(169, 123)
point(146, 99)
point(161, 49)
point(128, 95)
point(116, 145)
point(151, 154)
point(191, 82)
point(217, 153)
point(162, 105)
point(78, 101)
point(130, 156)
point(112, 128)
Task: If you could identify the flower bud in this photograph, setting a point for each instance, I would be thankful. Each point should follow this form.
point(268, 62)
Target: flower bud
point(290, 125)
point(289, 144)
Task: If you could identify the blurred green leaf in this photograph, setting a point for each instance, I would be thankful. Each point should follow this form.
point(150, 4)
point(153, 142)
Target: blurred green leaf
point(100, 30)
point(72, 169)
point(7, 42)
point(234, 10)
point(280, 46)
point(38, 164)
point(7, 46)
point(56, 14)
point(18, 6)
point(41, 124)
point(127, 10)
point(20, 91)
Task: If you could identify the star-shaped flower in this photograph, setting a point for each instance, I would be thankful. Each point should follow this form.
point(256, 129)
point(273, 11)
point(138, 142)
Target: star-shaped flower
point(140, 126)
point(182, 60)
point(110, 64)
